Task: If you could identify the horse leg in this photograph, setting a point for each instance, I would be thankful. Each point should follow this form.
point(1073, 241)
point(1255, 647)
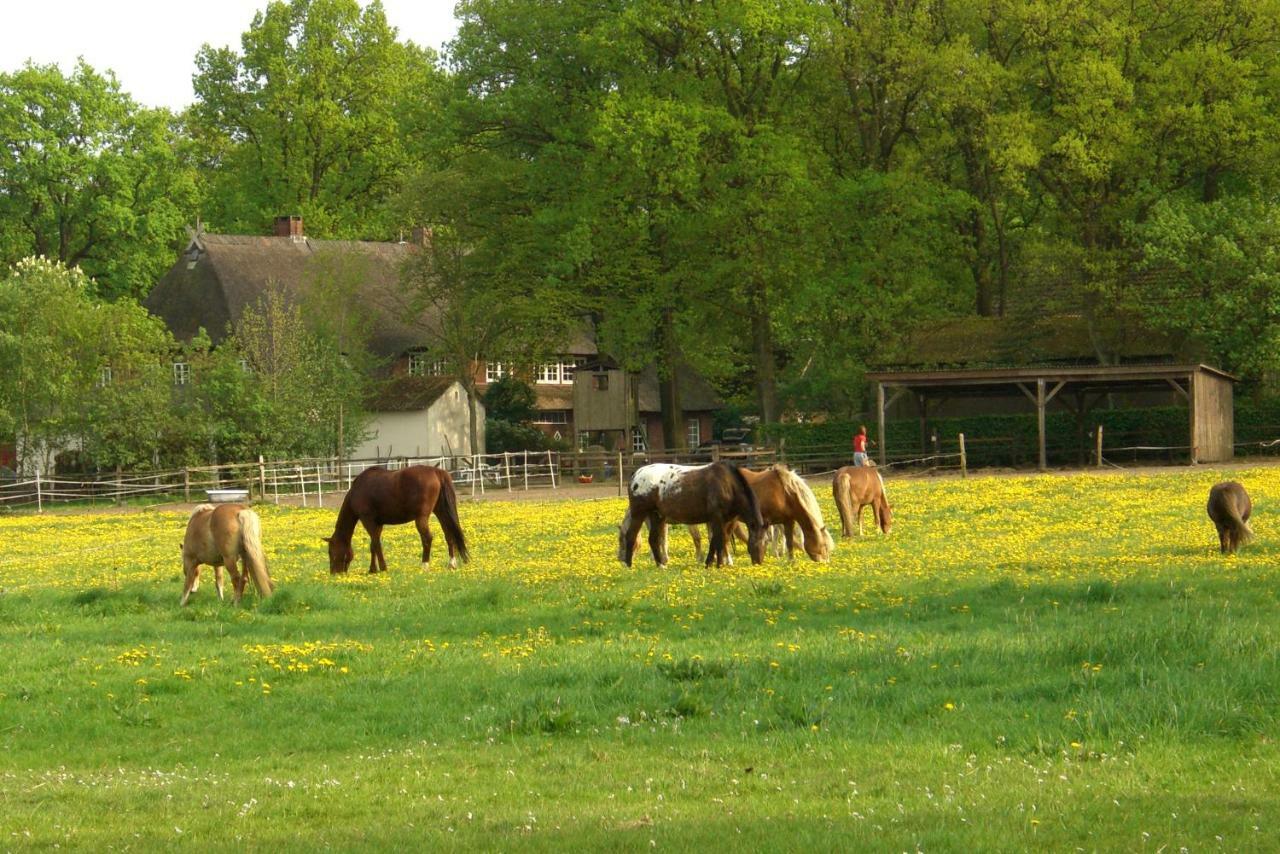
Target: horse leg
point(424, 532)
point(789, 531)
point(191, 569)
point(717, 550)
point(237, 579)
point(658, 539)
point(861, 507)
point(217, 578)
point(695, 534)
point(376, 559)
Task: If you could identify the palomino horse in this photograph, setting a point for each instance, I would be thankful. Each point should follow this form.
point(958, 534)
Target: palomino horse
point(714, 494)
point(1229, 508)
point(379, 497)
point(219, 536)
point(785, 501)
point(854, 488)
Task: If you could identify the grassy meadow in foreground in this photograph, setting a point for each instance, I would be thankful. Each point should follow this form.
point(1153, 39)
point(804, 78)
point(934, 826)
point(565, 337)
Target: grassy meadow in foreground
point(1033, 662)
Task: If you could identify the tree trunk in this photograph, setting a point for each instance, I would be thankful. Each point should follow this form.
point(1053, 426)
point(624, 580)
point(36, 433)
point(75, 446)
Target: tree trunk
point(762, 348)
point(473, 406)
point(668, 385)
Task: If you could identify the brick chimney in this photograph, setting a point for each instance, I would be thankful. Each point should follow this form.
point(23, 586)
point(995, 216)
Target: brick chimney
point(289, 226)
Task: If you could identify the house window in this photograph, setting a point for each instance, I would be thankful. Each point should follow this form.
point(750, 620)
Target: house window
point(417, 364)
point(551, 416)
point(494, 371)
point(104, 376)
point(549, 374)
point(600, 382)
point(244, 365)
point(567, 369)
point(694, 434)
point(437, 368)
point(638, 443)
point(181, 373)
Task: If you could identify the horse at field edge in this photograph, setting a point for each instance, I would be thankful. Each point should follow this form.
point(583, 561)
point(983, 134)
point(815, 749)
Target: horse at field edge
point(856, 487)
point(379, 497)
point(1229, 508)
point(716, 494)
point(220, 535)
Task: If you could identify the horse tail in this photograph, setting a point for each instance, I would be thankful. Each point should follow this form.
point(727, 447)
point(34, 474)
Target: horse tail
point(255, 560)
point(753, 504)
point(884, 492)
point(447, 513)
point(841, 491)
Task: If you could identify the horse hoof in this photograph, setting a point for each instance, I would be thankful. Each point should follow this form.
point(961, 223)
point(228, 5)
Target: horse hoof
point(453, 563)
point(426, 566)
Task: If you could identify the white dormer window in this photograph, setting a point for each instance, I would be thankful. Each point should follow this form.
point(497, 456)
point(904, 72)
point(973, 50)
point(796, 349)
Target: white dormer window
point(181, 373)
point(494, 371)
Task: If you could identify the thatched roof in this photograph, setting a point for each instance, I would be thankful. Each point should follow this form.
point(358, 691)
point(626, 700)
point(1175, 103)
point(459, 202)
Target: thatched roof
point(219, 275)
point(405, 393)
point(973, 342)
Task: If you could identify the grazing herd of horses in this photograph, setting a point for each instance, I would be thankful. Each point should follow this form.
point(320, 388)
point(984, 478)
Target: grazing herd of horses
point(732, 502)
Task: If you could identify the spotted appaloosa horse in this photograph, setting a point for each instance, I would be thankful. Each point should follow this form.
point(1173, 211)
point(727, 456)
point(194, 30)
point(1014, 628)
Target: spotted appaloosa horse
point(854, 488)
point(785, 502)
point(380, 497)
point(715, 495)
point(1229, 508)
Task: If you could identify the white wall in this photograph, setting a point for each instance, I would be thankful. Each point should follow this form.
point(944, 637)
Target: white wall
point(440, 430)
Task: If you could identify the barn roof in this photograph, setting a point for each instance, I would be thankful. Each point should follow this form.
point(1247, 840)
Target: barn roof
point(696, 394)
point(1062, 339)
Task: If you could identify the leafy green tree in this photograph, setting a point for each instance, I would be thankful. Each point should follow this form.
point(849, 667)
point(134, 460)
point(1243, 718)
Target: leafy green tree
point(89, 178)
point(310, 117)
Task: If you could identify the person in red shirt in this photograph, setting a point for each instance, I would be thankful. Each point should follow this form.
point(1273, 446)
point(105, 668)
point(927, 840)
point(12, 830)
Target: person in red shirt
point(860, 446)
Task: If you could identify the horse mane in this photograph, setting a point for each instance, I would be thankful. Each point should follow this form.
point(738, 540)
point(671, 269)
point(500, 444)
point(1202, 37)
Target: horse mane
point(795, 486)
point(752, 502)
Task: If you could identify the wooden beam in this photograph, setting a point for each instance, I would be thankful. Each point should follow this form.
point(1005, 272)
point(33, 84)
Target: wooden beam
point(893, 398)
point(880, 419)
point(1185, 392)
point(1056, 389)
point(1040, 402)
point(1031, 397)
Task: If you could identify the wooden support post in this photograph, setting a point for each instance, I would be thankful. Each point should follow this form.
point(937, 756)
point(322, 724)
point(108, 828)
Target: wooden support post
point(525, 467)
point(1191, 410)
point(262, 478)
point(186, 485)
point(1098, 441)
point(319, 488)
point(551, 468)
point(506, 465)
point(880, 420)
point(1040, 404)
point(964, 460)
point(39, 494)
point(302, 484)
point(621, 478)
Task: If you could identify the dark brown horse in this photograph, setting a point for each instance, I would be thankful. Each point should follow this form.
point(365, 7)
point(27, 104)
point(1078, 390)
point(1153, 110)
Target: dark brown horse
point(379, 497)
point(714, 495)
point(1229, 508)
point(785, 501)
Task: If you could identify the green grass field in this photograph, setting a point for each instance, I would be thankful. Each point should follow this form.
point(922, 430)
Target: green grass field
point(1039, 662)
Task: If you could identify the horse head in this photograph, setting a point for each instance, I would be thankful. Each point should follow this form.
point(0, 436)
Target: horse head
point(340, 554)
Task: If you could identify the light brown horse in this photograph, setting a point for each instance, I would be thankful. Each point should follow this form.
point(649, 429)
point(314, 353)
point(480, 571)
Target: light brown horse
point(785, 501)
point(1229, 508)
point(854, 488)
point(219, 535)
point(380, 497)
point(716, 495)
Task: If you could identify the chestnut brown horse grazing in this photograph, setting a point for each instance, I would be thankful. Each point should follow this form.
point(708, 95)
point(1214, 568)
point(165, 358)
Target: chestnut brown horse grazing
point(379, 497)
point(1229, 508)
point(785, 501)
point(219, 536)
point(854, 488)
point(715, 495)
